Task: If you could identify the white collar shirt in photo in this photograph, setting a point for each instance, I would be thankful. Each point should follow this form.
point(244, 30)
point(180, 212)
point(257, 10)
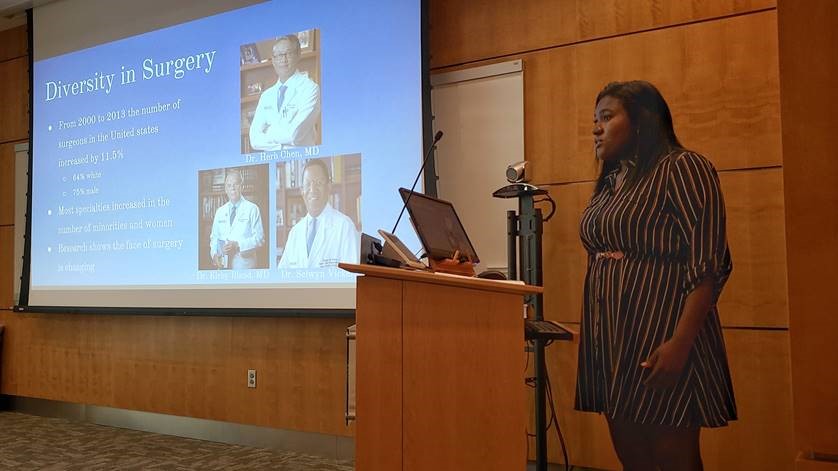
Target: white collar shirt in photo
point(336, 240)
point(286, 115)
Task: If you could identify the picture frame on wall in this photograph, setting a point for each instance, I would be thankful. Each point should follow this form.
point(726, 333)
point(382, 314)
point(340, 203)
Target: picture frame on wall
point(249, 54)
point(306, 40)
point(254, 88)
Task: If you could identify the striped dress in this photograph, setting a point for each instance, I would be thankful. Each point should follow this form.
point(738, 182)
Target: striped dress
point(670, 227)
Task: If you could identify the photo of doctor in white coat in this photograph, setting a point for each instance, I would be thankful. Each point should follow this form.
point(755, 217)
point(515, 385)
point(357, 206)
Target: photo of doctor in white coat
point(325, 236)
point(237, 230)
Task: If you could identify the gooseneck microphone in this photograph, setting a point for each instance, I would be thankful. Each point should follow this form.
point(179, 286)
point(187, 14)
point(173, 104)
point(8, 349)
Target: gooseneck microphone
point(437, 138)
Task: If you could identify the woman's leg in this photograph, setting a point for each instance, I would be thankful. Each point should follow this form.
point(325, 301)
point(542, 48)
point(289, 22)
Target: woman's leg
point(633, 444)
point(677, 449)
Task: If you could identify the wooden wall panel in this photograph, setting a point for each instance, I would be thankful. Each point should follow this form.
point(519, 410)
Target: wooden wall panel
point(808, 66)
point(13, 43)
point(7, 267)
point(14, 100)
point(564, 258)
point(755, 296)
point(467, 31)
point(7, 184)
point(306, 362)
point(719, 77)
point(805, 464)
point(188, 366)
point(757, 293)
point(760, 439)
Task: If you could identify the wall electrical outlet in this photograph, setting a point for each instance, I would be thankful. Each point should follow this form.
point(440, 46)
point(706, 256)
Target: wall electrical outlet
point(251, 378)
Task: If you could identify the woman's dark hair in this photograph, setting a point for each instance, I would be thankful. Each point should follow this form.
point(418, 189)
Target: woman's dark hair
point(651, 123)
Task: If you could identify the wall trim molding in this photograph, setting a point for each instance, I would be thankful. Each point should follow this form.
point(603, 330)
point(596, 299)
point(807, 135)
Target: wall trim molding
point(475, 73)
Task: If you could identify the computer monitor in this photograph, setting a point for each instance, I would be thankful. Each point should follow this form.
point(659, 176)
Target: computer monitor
point(438, 227)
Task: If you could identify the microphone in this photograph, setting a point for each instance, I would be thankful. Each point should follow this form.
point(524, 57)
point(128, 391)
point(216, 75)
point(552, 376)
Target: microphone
point(437, 138)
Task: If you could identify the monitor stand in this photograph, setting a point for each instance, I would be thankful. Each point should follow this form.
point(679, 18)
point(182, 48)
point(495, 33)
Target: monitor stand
point(452, 266)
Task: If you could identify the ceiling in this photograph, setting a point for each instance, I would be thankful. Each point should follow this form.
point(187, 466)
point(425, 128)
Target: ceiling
point(12, 12)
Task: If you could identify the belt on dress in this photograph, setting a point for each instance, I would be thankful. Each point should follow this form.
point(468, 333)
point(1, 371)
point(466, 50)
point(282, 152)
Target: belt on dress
point(615, 255)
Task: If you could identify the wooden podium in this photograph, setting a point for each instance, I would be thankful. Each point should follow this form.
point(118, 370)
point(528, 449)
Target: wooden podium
point(440, 372)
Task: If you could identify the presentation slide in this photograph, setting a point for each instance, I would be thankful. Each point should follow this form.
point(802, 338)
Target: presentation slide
point(228, 162)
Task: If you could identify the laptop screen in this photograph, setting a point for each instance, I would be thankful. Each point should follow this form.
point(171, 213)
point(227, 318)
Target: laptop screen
point(438, 227)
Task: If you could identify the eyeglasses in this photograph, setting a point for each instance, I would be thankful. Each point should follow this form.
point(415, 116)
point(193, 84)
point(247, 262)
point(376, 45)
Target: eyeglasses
point(284, 55)
point(307, 185)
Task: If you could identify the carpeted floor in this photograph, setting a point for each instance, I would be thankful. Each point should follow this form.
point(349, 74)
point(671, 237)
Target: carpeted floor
point(39, 443)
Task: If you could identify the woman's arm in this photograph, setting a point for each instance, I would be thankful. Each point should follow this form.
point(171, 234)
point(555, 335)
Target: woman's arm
point(696, 201)
point(667, 361)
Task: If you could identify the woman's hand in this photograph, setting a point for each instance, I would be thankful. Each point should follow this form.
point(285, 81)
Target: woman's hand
point(666, 364)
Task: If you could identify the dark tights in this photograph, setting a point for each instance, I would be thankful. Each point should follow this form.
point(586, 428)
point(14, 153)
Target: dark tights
point(656, 447)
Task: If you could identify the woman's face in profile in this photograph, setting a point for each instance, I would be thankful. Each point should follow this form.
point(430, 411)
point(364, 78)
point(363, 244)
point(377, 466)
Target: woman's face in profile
point(612, 129)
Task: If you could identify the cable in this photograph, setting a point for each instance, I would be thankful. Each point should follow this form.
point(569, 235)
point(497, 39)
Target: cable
point(554, 419)
point(527, 383)
point(529, 353)
point(552, 205)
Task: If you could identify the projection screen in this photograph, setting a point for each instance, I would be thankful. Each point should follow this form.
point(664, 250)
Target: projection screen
point(217, 155)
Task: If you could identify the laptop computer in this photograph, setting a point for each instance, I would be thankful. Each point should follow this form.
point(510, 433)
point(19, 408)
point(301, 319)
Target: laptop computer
point(439, 228)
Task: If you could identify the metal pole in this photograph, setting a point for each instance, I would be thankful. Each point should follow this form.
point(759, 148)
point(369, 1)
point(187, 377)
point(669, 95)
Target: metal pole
point(530, 245)
point(538, 272)
point(512, 244)
point(531, 273)
point(527, 227)
point(540, 357)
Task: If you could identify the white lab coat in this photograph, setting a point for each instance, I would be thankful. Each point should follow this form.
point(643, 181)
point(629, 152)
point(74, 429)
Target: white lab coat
point(246, 230)
point(336, 240)
point(293, 124)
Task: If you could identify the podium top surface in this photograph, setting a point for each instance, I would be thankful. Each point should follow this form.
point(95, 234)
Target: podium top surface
point(498, 286)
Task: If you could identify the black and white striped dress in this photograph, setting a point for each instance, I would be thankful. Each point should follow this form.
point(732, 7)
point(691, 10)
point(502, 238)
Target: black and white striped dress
point(671, 229)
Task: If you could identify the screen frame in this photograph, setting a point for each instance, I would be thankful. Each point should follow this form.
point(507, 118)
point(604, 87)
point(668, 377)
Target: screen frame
point(22, 305)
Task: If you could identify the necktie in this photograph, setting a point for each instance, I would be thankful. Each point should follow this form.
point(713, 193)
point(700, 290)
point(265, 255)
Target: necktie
point(312, 231)
point(232, 215)
point(280, 97)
